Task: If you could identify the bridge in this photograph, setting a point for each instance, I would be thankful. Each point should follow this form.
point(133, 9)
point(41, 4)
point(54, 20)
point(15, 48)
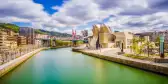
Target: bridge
point(47, 41)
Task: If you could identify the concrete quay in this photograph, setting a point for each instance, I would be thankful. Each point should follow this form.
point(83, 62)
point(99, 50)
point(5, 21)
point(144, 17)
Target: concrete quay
point(110, 55)
point(5, 68)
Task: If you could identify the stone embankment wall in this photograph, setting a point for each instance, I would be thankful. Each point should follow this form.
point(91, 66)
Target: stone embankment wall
point(145, 65)
point(5, 68)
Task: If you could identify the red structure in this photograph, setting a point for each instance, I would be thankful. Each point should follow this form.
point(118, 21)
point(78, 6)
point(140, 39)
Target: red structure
point(73, 34)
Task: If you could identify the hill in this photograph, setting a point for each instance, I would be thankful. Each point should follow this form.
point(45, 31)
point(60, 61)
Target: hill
point(52, 33)
point(16, 28)
point(13, 27)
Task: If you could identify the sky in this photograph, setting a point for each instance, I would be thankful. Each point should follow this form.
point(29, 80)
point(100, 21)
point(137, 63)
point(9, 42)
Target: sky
point(63, 15)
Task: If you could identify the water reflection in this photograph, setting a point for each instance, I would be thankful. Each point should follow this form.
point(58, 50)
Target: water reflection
point(61, 66)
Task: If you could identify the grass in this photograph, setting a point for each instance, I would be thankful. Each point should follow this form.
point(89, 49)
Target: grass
point(166, 54)
point(136, 56)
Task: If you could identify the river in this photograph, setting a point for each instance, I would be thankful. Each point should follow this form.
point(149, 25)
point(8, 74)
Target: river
point(62, 66)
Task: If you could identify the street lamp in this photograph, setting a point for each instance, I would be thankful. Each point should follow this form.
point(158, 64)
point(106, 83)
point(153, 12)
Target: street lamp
point(162, 45)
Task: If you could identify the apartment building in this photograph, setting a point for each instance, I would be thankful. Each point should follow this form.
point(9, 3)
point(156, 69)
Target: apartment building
point(21, 40)
point(154, 35)
point(8, 39)
point(11, 39)
point(3, 39)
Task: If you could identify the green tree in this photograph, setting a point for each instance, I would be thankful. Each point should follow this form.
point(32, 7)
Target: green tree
point(135, 46)
point(157, 39)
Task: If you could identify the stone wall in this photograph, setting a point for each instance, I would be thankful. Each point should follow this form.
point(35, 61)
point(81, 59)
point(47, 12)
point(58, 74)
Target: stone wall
point(145, 65)
point(5, 68)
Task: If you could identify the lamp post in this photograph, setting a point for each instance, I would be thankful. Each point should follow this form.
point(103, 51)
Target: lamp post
point(162, 46)
point(122, 47)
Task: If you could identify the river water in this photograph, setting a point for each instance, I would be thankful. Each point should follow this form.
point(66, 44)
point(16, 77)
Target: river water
point(62, 66)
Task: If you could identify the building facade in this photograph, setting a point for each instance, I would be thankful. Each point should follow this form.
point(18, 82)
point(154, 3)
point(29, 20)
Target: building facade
point(102, 36)
point(41, 36)
point(29, 33)
point(21, 40)
point(12, 39)
point(8, 39)
point(3, 39)
point(123, 37)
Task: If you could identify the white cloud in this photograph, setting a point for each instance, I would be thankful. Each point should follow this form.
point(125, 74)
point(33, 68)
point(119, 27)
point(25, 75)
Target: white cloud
point(134, 15)
point(140, 23)
point(13, 19)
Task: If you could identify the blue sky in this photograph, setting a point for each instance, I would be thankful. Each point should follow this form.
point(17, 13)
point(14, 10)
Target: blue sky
point(63, 15)
point(48, 4)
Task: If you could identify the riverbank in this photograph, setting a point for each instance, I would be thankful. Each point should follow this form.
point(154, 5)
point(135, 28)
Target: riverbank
point(5, 68)
point(161, 68)
point(62, 66)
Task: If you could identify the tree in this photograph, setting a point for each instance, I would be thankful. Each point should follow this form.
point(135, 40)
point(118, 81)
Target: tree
point(141, 40)
point(135, 47)
point(157, 39)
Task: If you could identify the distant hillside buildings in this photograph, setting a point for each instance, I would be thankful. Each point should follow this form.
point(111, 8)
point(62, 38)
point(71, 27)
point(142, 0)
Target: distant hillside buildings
point(154, 35)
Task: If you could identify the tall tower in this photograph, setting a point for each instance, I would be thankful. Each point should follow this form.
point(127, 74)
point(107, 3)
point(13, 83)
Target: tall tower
point(73, 34)
point(28, 33)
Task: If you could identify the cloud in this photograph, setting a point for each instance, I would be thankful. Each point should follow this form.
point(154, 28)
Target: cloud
point(74, 12)
point(158, 4)
point(22, 8)
point(23, 11)
point(143, 23)
point(133, 15)
point(13, 19)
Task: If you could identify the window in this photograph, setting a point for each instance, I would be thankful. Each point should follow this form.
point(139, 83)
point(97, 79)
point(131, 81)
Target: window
point(128, 41)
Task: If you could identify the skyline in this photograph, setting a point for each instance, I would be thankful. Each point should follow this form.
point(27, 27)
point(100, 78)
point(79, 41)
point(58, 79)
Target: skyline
point(63, 15)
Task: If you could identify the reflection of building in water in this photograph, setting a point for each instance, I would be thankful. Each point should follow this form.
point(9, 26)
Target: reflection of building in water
point(107, 39)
